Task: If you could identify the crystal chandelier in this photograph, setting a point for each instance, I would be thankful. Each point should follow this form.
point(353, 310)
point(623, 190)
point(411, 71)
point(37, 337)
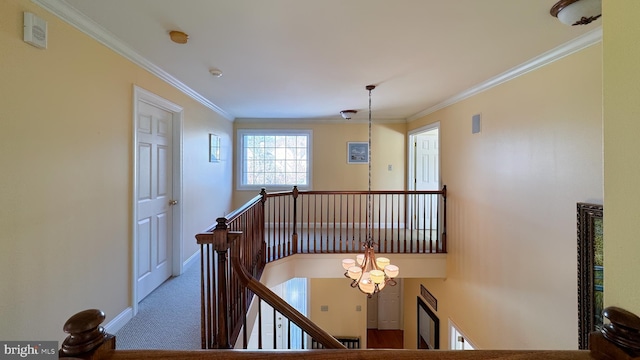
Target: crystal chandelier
point(371, 274)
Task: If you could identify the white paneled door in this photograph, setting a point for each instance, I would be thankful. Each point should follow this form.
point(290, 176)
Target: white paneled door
point(389, 307)
point(427, 177)
point(154, 197)
point(427, 168)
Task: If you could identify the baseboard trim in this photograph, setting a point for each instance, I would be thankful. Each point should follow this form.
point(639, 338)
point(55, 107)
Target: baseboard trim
point(191, 261)
point(119, 321)
point(124, 317)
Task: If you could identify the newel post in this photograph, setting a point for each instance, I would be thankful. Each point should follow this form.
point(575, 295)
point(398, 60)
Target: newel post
point(262, 222)
point(619, 339)
point(221, 246)
point(444, 219)
point(214, 308)
point(294, 237)
point(87, 338)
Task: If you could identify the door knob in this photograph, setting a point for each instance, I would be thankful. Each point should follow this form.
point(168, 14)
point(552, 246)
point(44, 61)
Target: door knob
point(173, 202)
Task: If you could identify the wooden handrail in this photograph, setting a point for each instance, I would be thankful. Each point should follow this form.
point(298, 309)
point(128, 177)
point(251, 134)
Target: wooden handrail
point(370, 354)
point(356, 192)
point(259, 289)
point(232, 215)
point(620, 340)
point(249, 204)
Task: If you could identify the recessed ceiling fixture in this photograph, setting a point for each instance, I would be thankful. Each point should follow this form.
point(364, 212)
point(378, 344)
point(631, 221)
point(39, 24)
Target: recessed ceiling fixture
point(347, 114)
point(215, 72)
point(577, 12)
point(370, 275)
point(178, 37)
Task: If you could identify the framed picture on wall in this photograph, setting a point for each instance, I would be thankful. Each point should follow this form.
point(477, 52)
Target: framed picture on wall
point(357, 152)
point(214, 148)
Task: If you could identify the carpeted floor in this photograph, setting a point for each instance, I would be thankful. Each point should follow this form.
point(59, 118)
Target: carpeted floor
point(169, 318)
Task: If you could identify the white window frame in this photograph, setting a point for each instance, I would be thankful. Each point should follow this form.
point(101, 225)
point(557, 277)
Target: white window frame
point(240, 151)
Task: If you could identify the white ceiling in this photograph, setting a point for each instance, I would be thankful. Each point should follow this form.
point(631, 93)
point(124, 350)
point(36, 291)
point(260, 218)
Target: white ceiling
point(309, 59)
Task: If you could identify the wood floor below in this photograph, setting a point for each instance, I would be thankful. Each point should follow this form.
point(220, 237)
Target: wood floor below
point(385, 339)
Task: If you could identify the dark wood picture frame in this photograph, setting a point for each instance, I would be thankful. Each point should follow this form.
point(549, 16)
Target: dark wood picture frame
point(589, 309)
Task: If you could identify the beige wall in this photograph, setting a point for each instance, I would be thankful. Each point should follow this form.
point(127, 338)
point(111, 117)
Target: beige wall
point(621, 147)
point(513, 189)
point(330, 169)
point(66, 175)
point(342, 317)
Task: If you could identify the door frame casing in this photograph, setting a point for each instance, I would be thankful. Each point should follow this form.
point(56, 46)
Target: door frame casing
point(140, 94)
point(411, 160)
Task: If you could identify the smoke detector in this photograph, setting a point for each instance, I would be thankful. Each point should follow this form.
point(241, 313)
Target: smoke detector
point(215, 72)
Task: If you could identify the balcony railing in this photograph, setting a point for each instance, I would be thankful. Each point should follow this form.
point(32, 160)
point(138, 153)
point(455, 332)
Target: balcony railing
point(298, 222)
point(273, 226)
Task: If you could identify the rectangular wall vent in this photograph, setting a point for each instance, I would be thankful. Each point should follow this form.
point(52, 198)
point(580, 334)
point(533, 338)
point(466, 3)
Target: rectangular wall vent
point(475, 124)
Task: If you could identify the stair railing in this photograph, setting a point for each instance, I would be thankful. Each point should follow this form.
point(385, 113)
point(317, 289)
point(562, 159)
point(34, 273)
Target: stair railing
point(280, 224)
point(268, 296)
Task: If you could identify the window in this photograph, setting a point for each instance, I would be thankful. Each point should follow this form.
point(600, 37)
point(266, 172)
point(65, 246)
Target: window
point(457, 339)
point(274, 159)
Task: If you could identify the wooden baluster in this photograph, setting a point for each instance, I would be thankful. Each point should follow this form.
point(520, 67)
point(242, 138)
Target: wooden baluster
point(259, 323)
point(87, 338)
point(315, 221)
point(334, 219)
point(275, 331)
point(431, 197)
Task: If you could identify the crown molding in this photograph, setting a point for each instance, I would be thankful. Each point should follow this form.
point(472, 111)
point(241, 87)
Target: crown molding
point(81, 22)
point(317, 121)
point(592, 37)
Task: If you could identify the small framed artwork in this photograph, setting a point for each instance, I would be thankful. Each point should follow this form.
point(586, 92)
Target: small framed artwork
point(214, 148)
point(357, 152)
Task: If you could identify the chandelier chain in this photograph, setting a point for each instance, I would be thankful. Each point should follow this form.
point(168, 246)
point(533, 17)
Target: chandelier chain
point(369, 207)
point(371, 274)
